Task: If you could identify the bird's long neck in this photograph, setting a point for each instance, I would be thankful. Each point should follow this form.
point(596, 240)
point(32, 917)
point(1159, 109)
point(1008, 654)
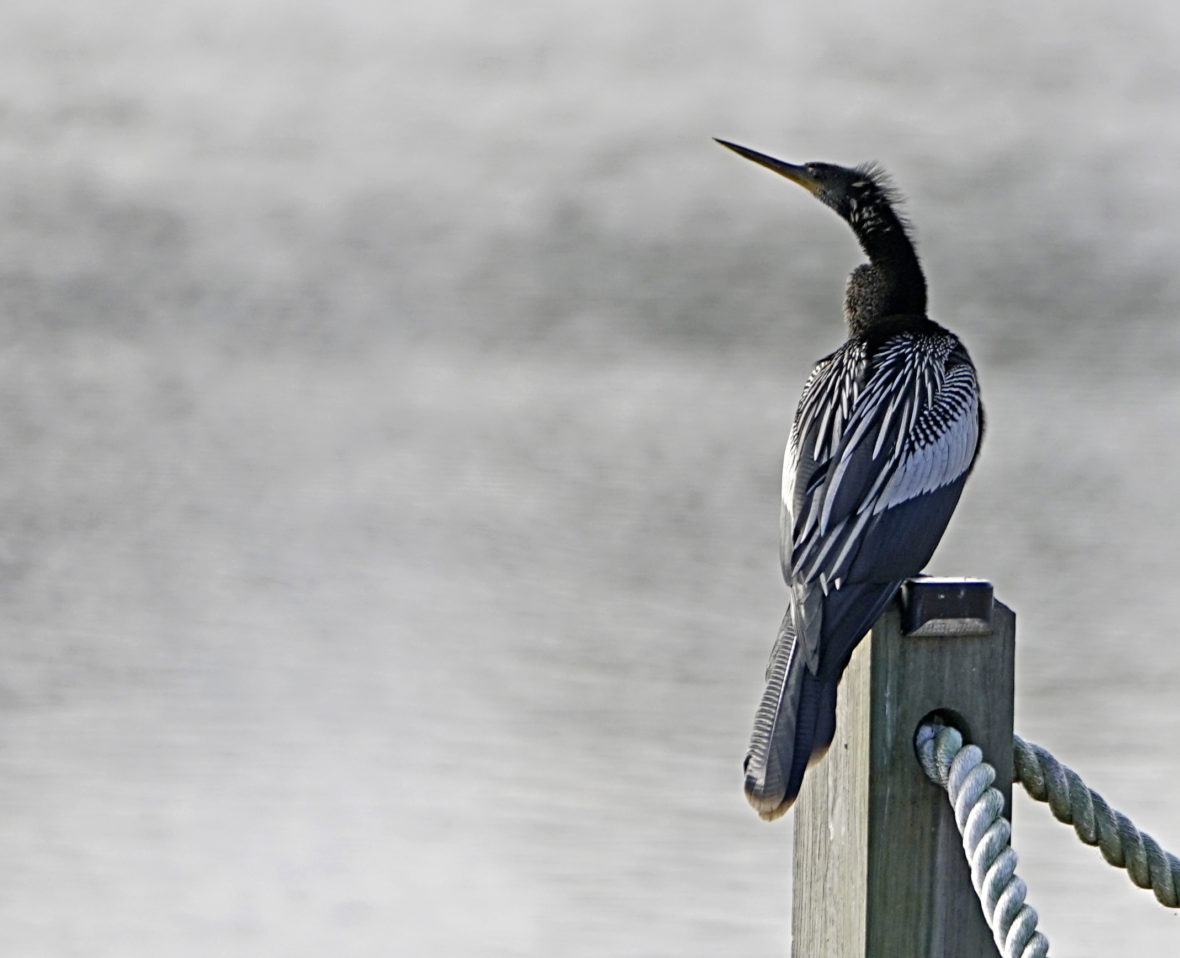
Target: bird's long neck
point(891, 282)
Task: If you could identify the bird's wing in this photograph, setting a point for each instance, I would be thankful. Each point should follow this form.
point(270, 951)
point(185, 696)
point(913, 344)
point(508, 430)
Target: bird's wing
point(872, 435)
point(825, 408)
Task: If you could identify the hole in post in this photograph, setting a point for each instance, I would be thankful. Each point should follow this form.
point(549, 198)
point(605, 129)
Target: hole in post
point(948, 718)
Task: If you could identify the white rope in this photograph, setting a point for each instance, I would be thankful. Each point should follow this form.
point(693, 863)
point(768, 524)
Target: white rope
point(1096, 823)
point(987, 838)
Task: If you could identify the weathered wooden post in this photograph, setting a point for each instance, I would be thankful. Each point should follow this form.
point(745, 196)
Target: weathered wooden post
point(879, 870)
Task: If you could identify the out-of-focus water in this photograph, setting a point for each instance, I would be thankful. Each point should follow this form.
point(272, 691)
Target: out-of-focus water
point(391, 406)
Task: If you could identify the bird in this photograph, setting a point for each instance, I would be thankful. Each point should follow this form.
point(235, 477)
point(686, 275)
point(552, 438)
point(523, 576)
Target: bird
point(886, 432)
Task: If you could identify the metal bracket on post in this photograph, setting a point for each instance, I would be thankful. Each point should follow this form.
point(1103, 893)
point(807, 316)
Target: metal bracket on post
point(946, 606)
point(878, 862)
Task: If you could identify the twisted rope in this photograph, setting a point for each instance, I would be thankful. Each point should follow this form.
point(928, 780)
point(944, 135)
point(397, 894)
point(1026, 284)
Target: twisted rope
point(986, 838)
point(1096, 823)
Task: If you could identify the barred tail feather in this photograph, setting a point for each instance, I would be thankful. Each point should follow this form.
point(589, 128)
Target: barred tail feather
point(796, 720)
point(782, 745)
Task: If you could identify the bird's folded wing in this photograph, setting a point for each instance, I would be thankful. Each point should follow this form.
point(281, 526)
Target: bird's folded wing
point(910, 431)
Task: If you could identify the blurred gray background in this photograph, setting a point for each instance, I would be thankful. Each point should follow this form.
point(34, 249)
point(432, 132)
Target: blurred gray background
point(391, 411)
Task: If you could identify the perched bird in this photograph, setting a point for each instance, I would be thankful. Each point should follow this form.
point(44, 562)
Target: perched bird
point(885, 435)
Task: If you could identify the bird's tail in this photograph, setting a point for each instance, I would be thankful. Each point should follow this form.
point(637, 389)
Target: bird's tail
point(793, 728)
point(796, 719)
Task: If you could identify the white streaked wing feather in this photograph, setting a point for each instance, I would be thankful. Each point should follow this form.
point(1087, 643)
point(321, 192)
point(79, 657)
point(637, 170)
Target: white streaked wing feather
point(925, 467)
point(926, 415)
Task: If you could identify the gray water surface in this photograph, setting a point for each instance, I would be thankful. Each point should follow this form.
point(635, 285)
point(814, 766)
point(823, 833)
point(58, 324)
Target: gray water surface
point(391, 407)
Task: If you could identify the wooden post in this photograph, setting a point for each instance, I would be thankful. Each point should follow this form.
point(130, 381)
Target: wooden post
point(879, 870)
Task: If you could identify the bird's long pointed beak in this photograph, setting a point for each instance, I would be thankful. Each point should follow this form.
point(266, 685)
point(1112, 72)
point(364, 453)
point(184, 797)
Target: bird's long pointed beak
point(796, 174)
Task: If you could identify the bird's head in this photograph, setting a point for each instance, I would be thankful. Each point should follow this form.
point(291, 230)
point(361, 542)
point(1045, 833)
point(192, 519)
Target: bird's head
point(891, 283)
point(859, 194)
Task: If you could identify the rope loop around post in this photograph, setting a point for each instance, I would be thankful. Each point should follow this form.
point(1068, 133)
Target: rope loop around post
point(1096, 823)
point(979, 809)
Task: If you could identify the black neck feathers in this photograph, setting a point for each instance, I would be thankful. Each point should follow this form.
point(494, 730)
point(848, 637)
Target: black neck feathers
point(891, 283)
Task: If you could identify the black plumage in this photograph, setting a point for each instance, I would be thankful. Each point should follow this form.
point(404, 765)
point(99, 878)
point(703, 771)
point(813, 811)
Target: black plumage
point(885, 435)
